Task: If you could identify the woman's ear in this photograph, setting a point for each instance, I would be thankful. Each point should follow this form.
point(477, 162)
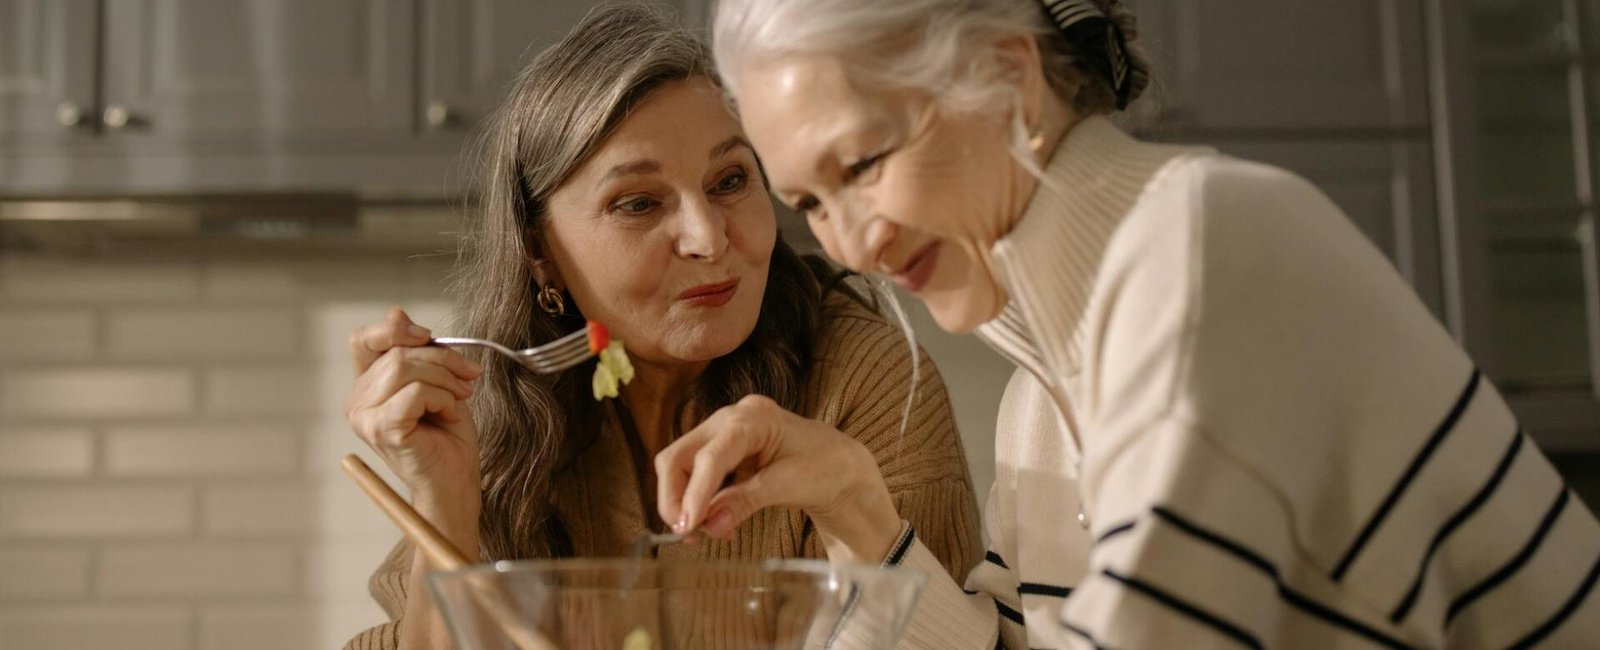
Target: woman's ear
point(544, 269)
point(545, 272)
point(1019, 61)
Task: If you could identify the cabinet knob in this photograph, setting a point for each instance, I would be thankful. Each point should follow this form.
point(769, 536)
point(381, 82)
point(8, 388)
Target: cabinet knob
point(116, 116)
point(438, 114)
point(69, 114)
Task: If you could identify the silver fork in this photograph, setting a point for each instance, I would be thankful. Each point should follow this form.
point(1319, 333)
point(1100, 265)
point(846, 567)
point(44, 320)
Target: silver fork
point(547, 359)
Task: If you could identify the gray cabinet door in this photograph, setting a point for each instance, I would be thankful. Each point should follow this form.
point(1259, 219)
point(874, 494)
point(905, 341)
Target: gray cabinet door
point(268, 71)
point(47, 68)
point(1247, 65)
point(471, 50)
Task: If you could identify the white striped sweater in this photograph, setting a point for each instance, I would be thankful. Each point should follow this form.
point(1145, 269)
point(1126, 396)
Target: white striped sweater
point(1276, 444)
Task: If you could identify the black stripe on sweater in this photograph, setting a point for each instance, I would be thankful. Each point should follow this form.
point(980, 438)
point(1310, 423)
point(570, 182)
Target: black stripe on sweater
point(1410, 474)
point(1454, 522)
point(1082, 633)
point(1539, 633)
point(995, 559)
point(897, 553)
point(1185, 608)
point(1511, 566)
point(1114, 531)
point(1040, 589)
point(1005, 610)
point(1293, 598)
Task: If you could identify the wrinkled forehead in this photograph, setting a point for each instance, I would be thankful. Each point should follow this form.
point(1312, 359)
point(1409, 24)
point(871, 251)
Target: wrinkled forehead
point(797, 108)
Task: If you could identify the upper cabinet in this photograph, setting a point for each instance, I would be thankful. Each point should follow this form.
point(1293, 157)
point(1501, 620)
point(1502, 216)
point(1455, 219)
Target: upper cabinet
point(472, 49)
point(1249, 65)
point(47, 69)
point(375, 97)
point(1519, 92)
point(259, 70)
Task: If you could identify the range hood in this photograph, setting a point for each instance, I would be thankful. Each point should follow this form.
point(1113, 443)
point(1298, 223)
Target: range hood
point(264, 223)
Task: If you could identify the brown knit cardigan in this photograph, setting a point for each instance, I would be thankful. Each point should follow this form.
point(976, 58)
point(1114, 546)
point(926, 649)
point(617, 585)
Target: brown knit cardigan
point(859, 386)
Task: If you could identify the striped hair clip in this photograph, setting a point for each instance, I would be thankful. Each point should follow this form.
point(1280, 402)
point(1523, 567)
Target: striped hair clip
point(1084, 23)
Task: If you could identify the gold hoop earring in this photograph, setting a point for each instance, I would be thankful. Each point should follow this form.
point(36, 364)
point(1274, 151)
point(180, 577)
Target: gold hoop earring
point(551, 302)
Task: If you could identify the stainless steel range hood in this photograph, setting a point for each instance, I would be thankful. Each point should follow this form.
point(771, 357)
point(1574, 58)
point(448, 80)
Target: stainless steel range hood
point(226, 222)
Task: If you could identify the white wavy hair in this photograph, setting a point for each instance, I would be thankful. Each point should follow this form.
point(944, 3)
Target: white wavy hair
point(934, 48)
point(938, 49)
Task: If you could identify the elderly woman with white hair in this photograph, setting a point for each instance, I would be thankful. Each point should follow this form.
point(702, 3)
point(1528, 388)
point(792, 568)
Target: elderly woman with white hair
point(1275, 442)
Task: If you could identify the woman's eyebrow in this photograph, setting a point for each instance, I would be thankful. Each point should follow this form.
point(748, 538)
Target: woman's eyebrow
point(729, 145)
point(645, 166)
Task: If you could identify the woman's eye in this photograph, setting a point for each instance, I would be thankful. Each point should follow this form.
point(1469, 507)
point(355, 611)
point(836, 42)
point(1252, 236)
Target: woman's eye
point(862, 167)
point(635, 206)
point(808, 207)
point(731, 183)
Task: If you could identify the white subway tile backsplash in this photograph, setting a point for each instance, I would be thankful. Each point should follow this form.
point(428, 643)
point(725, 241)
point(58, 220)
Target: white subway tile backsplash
point(197, 570)
point(95, 511)
point(95, 393)
point(58, 280)
point(250, 283)
point(201, 450)
point(124, 627)
point(259, 391)
point(40, 572)
point(257, 627)
point(47, 335)
point(156, 422)
point(270, 509)
point(338, 568)
point(46, 453)
point(209, 334)
point(330, 280)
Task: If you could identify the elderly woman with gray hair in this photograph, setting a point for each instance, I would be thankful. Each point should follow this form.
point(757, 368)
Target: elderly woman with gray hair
point(1275, 443)
point(619, 188)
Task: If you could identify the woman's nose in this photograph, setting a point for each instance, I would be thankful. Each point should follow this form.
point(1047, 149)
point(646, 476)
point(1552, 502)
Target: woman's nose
point(703, 233)
point(862, 236)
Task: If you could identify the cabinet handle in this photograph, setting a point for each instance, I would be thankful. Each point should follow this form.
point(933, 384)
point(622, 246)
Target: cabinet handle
point(1591, 295)
point(438, 114)
point(116, 116)
point(69, 114)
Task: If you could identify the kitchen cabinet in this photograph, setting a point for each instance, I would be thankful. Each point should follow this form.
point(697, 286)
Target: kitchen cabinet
point(380, 98)
point(471, 50)
point(47, 70)
point(1354, 66)
point(278, 71)
point(1516, 87)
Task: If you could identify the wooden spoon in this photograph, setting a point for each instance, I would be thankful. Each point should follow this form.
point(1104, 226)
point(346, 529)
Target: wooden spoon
point(442, 554)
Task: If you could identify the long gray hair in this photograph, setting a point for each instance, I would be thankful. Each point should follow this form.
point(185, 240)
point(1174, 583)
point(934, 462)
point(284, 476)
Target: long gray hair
point(559, 111)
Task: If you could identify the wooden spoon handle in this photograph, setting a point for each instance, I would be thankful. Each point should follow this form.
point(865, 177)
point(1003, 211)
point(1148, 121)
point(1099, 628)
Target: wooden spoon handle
point(442, 554)
point(439, 550)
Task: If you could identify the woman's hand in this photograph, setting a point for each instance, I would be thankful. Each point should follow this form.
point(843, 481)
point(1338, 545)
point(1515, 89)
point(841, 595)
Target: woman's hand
point(777, 458)
point(408, 405)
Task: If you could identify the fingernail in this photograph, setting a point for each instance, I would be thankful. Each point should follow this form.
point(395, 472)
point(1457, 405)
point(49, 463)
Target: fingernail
point(682, 525)
point(474, 367)
point(420, 332)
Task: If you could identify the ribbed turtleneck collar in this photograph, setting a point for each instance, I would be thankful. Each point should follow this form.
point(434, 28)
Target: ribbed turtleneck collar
point(1047, 262)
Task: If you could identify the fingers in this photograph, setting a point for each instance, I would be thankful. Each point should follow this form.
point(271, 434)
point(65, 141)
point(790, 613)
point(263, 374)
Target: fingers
point(435, 366)
point(691, 470)
point(673, 465)
point(736, 503)
point(393, 422)
point(370, 342)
